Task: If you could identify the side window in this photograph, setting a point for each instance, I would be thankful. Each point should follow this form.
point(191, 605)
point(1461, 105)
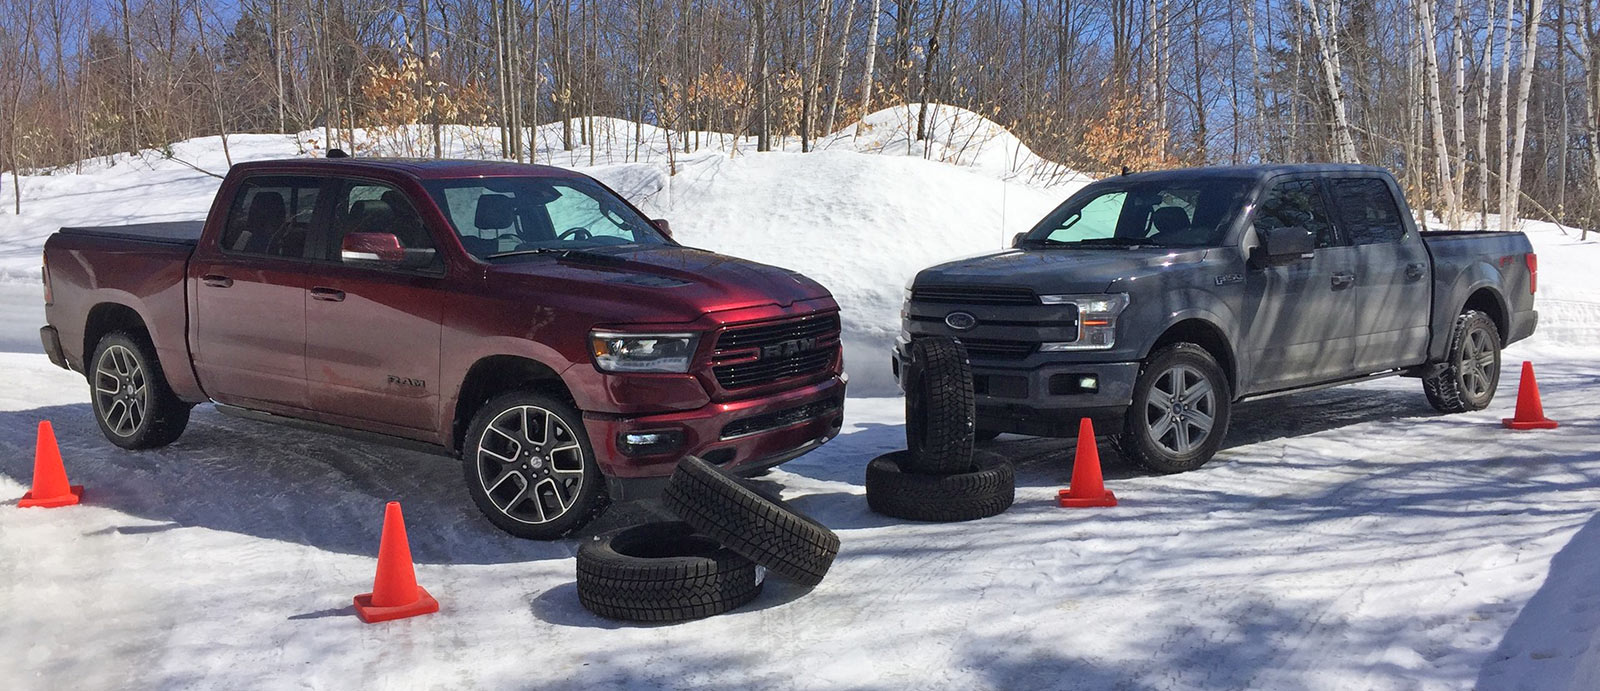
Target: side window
point(372, 207)
point(1297, 203)
point(574, 210)
point(271, 216)
point(1367, 209)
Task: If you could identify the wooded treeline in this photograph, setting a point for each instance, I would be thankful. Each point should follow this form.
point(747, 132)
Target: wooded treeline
point(1479, 106)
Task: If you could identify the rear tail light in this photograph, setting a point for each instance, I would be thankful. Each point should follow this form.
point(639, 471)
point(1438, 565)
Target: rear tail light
point(44, 272)
point(1533, 272)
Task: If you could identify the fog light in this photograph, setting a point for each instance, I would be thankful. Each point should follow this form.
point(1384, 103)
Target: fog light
point(649, 443)
point(1089, 384)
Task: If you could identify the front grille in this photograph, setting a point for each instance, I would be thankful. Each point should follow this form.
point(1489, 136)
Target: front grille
point(772, 352)
point(778, 419)
point(998, 350)
point(974, 295)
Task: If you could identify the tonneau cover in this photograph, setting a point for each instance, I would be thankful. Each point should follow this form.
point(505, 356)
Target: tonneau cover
point(167, 232)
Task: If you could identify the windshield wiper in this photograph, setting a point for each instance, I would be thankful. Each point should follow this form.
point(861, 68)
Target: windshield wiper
point(1117, 242)
point(563, 253)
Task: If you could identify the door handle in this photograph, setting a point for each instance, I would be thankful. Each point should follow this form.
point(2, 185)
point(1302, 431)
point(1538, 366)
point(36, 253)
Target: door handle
point(1416, 270)
point(327, 294)
point(217, 281)
point(1343, 280)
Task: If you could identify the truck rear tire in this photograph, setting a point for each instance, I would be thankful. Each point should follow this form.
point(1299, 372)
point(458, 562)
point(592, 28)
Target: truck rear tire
point(1467, 380)
point(530, 468)
point(133, 404)
point(662, 573)
point(940, 412)
point(1180, 410)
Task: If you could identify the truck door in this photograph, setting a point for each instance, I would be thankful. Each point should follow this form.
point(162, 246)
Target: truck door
point(1300, 316)
point(372, 332)
point(249, 295)
point(1393, 285)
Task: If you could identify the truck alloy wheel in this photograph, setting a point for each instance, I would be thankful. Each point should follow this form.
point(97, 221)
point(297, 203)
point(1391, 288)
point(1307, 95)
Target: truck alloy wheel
point(662, 572)
point(1180, 410)
point(529, 466)
point(763, 529)
point(1469, 378)
point(987, 490)
point(132, 403)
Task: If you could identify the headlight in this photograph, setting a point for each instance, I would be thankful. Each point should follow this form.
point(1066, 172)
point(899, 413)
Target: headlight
point(620, 352)
point(1097, 320)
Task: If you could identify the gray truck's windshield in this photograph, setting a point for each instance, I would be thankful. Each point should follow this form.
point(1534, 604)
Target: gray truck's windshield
point(1157, 213)
point(521, 216)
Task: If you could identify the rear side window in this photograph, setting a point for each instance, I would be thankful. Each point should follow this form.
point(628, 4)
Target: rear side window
point(271, 216)
point(1367, 209)
point(1297, 203)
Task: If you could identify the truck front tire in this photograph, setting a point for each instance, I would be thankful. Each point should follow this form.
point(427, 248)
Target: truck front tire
point(1180, 410)
point(1469, 376)
point(530, 468)
point(133, 404)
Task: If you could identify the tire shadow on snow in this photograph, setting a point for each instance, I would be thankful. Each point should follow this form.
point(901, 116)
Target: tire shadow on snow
point(277, 483)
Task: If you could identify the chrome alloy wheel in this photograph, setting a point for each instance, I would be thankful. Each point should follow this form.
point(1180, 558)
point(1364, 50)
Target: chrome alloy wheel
point(1181, 409)
point(530, 464)
point(121, 392)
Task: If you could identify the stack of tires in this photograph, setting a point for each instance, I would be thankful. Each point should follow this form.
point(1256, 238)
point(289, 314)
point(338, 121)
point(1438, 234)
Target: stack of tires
point(939, 477)
point(712, 560)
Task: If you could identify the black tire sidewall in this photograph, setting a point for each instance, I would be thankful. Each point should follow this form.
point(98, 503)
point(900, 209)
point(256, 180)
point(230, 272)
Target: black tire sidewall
point(1135, 438)
point(988, 490)
point(1477, 321)
point(165, 416)
point(691, 577)
point(591, 497)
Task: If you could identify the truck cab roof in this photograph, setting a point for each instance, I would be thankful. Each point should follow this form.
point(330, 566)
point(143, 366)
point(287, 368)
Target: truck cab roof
point(419, 168)
point(1250, 172)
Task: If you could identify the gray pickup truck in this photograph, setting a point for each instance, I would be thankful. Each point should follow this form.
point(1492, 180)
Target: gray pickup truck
point(1153, 302)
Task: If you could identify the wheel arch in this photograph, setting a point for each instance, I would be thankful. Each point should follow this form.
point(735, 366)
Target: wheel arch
point(108, 317)
point(1489, 301)
point(1208, 336)
point(494, 375)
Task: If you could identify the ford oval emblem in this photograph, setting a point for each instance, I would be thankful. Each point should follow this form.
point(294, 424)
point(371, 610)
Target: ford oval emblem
point(960, 321)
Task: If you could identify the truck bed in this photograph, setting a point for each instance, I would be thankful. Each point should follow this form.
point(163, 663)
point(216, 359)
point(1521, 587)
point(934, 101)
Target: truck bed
point(185, 233)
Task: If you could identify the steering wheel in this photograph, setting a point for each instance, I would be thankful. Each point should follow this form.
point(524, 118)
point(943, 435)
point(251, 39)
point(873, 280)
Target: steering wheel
point(579, 233)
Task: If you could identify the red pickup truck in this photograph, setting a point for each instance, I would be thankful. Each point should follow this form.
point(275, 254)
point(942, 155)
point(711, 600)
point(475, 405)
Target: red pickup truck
point(525, 319)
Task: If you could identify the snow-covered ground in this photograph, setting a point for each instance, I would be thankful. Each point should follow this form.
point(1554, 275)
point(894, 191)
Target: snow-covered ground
point(1345, 539)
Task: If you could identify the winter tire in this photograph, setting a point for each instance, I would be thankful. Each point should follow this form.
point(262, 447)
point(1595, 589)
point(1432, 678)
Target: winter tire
point(1179, 415)
point(529, 466)
point(1469, 378)
point(661, 573)
point(763, 529)
point(940, 411)
point(133, 404)
point(988, 489)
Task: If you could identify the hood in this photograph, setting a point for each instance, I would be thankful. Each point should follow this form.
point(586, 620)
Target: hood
point(1058, 270)
point(662, 283)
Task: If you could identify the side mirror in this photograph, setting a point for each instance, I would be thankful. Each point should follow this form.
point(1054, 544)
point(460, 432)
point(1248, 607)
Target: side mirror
point(662, 225)
point(382, 250)
point(1285, 245)
point(1016, 240)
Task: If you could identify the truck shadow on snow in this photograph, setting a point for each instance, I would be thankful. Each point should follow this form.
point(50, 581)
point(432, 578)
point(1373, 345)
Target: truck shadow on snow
point(327, 492)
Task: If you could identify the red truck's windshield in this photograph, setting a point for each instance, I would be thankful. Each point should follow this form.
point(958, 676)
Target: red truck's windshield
point(504, 216)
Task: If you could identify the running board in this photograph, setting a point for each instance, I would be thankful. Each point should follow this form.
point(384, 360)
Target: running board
point(334, 430)
point(1318, 387)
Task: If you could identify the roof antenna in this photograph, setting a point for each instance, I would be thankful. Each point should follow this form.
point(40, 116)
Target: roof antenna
point(1125, 170)
point(339, 153)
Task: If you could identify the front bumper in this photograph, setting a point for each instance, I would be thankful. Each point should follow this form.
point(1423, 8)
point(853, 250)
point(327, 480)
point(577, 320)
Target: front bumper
point(744, 436)
point(1046, 399)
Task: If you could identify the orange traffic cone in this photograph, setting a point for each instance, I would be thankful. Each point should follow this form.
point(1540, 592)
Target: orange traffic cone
point(50, 488)
point(1530, 412)
point(395, 593)
point(1087, 488)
